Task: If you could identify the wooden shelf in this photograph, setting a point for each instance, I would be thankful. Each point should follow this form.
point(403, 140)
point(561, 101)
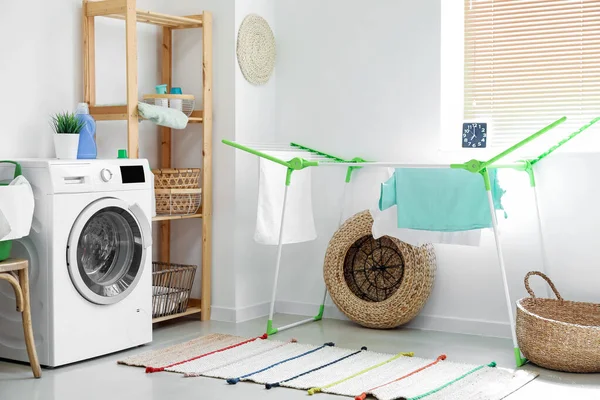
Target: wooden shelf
point(119, 113)
point(109, 113)
point(127, 10)
point(173, 217)
point(196, 117)
point(117, 9)
point(190, 311)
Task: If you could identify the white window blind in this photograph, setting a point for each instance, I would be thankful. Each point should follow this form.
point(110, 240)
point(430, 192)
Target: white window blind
point(529, 62)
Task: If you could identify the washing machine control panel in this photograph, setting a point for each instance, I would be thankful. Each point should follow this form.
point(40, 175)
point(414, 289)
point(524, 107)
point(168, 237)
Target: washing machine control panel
point(106, 175)
point(100, 176)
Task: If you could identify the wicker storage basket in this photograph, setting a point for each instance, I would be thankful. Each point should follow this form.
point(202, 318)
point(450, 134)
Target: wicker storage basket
point(177, 178)
point(171, 286)
point(558, 334)
point(177, 191)
point(177, 201)
point(378, 283)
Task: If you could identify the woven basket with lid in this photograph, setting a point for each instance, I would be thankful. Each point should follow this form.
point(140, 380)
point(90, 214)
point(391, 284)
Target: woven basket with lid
point(559, 334)
point(378, 283)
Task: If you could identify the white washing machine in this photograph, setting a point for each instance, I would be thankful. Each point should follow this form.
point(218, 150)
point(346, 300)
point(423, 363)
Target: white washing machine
point(90, 260)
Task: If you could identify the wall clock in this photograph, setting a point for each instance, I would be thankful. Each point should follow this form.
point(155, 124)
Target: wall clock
point(474, 135)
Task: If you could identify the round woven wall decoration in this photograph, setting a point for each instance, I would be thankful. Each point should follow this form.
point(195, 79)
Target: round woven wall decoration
point(256, 49)
point(378, 283)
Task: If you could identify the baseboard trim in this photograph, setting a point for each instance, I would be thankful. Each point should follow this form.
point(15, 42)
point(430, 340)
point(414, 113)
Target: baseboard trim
point(222, 314)
point(252, 312)
point(237, 315)
point(308, 310)
point(461, 325)
point(423, 322)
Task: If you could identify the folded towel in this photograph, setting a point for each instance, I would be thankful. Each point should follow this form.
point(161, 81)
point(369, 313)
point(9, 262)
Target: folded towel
point(299, 225)
point(443, 200)
point(169, 117)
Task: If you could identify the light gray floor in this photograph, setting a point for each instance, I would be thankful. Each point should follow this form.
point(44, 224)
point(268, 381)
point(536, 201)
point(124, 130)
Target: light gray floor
point(103, 379)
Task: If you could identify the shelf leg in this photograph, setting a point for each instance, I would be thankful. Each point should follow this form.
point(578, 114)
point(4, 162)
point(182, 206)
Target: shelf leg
point(133, 147)
point(89, 57)
point(207, 125)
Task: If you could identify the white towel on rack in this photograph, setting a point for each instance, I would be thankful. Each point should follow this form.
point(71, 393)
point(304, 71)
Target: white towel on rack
point(363, 193)
point(299, 225)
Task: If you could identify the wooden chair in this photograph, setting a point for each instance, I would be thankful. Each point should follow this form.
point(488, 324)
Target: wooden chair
point(16, 272)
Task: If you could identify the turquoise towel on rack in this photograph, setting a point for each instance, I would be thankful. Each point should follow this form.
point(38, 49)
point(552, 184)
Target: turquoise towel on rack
point(443, 200)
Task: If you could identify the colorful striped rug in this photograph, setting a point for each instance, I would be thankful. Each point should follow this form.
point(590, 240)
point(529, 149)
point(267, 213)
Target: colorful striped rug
point(326, 368)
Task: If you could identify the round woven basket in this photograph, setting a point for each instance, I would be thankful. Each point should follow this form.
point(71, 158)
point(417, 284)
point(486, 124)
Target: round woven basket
point(558, 334)
point(378, 283)
point(256, 51)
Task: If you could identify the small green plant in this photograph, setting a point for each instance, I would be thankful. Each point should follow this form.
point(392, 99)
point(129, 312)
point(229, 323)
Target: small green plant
point(66, 122)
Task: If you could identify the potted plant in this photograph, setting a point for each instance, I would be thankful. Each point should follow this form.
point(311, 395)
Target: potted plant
point(66, 134)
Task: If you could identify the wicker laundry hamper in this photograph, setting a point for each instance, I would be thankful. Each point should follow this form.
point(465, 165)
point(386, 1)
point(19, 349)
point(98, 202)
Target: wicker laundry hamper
point(378, 283)
point(559, 334)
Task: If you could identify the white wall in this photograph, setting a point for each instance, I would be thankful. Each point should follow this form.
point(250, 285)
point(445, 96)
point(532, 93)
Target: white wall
point(42, 69)
point(254, 122)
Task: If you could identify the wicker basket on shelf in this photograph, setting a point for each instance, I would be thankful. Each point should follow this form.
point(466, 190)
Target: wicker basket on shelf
point(177, 191)
point(559, 334)
point(171, 287)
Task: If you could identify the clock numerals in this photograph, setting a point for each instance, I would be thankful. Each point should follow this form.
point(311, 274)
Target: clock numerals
point(474, 135)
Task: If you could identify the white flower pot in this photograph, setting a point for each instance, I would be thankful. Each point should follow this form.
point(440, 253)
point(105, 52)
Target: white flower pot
point(66, 145)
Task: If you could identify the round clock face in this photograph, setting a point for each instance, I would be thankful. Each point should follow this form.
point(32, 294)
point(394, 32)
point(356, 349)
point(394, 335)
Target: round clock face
point(474, 135)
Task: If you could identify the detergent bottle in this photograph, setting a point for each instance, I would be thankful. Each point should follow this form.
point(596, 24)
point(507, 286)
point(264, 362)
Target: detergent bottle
point(87, 141)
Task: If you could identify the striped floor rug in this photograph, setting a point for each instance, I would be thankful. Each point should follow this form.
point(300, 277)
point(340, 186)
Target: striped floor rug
point(356, 373)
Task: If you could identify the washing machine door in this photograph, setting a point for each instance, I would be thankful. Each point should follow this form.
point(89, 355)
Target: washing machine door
point(106, 250)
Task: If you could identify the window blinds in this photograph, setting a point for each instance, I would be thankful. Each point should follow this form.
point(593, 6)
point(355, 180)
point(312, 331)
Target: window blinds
point(529, 62)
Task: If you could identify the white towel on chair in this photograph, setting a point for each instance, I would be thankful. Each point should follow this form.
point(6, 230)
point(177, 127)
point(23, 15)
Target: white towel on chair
point(299, 225)
point(4, 226)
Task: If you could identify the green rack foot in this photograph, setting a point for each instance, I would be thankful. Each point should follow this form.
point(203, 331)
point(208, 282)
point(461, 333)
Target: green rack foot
point(270, 329)
point(319, 316)
point(519, 359)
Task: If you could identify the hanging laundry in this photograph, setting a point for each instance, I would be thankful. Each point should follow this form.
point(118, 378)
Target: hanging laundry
point(363, 193)
point(299, 225)
point(385, 224)
point(442, 200)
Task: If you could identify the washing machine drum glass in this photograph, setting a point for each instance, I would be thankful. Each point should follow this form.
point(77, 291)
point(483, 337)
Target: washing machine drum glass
point(109, 256)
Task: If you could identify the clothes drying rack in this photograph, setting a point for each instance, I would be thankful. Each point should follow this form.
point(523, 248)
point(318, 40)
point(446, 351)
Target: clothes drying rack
point(315, 158)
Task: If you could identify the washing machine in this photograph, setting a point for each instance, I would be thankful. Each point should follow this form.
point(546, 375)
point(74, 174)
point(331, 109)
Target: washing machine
point(90, 261)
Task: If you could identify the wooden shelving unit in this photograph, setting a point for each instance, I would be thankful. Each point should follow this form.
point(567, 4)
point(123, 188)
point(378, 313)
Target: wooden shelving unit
point(126, 10)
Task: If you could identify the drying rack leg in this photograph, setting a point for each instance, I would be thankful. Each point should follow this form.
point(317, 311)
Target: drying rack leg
point(270, 329)
point(518, 358)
